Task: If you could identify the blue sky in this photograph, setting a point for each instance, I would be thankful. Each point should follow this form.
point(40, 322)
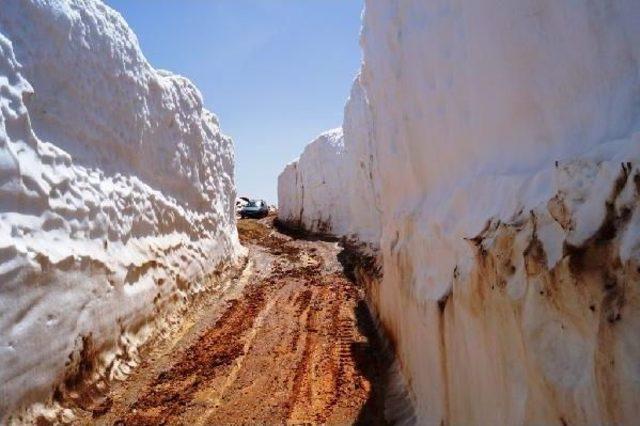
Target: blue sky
point(276, 72)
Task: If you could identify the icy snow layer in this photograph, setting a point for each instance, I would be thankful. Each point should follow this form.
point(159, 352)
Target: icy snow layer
point(116, 200)
point(504, 161)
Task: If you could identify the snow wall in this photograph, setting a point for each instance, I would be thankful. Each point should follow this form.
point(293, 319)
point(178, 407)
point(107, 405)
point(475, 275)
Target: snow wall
point(500, 149)
point(116, 201)
point(317, 203)
point(332, 181)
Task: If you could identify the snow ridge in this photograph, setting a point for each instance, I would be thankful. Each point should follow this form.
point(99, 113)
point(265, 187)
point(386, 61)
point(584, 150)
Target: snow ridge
point(116, 200)
point(499, 146)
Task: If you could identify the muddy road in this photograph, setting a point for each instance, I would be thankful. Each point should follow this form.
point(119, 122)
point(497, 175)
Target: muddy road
point(290, 342)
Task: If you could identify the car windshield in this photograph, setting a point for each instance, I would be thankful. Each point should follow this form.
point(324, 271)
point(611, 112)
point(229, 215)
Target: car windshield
point(253, 203)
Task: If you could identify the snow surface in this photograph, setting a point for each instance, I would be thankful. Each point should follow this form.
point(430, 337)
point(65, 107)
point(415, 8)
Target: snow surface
point(331, 183)
point(318, 202)
point(116, 196)
point(495, 139)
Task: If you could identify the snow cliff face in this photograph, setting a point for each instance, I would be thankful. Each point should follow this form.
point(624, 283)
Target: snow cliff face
point(116, 200)
point(504, 164)
point(361, 166)
point(311, 189)
point(332, 181)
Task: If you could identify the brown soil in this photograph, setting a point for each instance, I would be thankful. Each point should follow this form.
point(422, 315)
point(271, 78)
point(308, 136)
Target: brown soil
point(295, 345)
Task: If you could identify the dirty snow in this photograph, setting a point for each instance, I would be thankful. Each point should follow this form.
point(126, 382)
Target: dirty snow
point(501, 154)
point(116, 198)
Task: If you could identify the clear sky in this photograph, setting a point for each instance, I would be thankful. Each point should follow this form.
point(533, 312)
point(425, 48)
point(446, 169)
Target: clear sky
point(276, 72)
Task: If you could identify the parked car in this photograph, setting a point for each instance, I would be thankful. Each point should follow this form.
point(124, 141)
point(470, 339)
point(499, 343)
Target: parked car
point(241, 202)
point(254, 209)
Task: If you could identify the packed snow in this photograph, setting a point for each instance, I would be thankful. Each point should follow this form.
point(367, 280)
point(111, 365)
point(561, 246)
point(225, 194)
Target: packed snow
point(116, 201)
point(317, 202)
point(496, 153)
point(331, 183)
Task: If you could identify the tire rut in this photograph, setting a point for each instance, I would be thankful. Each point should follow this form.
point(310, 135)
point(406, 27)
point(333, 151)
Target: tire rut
point(172, 392)
point(293, 347)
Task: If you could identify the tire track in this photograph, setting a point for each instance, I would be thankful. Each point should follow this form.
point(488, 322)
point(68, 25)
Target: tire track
point(292, 348)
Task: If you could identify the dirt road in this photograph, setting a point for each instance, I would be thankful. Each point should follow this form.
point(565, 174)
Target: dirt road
point(292, 344)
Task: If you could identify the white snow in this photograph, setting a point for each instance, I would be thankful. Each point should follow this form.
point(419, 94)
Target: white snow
point(116, 196)
point(513, 123)
point(331, 183)
point(312, 189)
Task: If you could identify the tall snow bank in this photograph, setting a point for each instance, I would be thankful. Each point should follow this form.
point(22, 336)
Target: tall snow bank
point(505, 167)
point(329, 189)
point(311, 189)
point(502, 311)
point(116, 200)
